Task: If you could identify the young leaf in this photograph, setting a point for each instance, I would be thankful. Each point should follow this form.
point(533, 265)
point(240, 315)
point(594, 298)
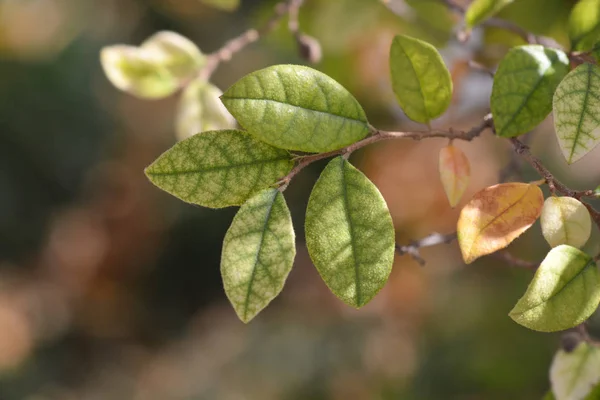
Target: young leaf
point(584, 24)
point(201, 110)
point(564, 292)
point(296, 108)
point(136, 72)
point(565, 220)
point(496, 216)
point(178, 54)
point(420, 79)
point(227, 5)
point(480, 10)
point(219, 168)
point(349, 233)
point(573, 375)
point(523, 88)
point(455, 173)
point(258, 253)
point(576, 104)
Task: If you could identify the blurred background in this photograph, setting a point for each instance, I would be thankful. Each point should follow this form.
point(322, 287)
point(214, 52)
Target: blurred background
point(110, 288)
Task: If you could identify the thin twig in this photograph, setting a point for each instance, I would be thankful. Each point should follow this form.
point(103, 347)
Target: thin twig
point(515, 261)
point(413, 248)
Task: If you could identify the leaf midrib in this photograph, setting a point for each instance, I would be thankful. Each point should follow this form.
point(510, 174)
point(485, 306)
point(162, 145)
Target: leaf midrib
point(418, 80)
point(219, 168)
point(582, 114)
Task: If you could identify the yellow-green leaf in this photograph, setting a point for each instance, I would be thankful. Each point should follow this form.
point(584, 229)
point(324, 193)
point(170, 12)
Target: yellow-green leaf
point(219, 168)
point(573, 375)
point(227, 5)
point(349, 233)
point(576, 105)
point(480, 10)
point(420, 79)
point(258, 253)
point(523, 88)
point(496, 216)
point(296, 108)
point(455, 173)
point(584, 24)
point(201, 110)
point(178, 54)
point(564, 292)
point(565, 220)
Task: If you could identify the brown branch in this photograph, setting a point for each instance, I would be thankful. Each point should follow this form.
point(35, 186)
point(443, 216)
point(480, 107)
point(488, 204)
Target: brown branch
point(515, 261)
point(413, 248)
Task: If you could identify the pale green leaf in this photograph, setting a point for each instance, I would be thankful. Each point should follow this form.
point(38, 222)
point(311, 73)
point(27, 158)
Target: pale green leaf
point(573, 375)
point(420, 79)
point(178, 54)
point(296, 108)
point(258, 253)
point(201, 110)
point(584, 24)
point(219, 168)
point(576, 105)
point(564, 292)
point(480, 10)
point(227, 5)
point(349, 233)
point(136, 72)
point(565, 220)
point(523, 88)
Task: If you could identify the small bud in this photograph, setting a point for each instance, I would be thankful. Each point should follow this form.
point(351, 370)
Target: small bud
point(569, 341)
point(309, 48)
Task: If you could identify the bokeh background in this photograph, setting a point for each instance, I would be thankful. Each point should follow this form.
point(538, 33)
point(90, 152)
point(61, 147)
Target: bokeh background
point(110, 288)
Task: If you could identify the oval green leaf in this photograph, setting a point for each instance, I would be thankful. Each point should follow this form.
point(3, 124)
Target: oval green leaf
point(480, 10)
point(178, 54)
point(349, 233)
point(296, 108)
point(523, 88)
point(573, 375)
point(420, 79)
point(584, 24)
point(258, 253)
point(564, 292)
point(565, 220)
point(219, 168)
point(201, 110)
point(576, 105)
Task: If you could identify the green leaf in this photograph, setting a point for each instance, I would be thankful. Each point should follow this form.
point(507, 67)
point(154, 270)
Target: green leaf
point(178, 54)
point(219, 168)
point(594, 393)
point(258, 253)
point(584, 24)
point(349, 233)
point(565, 220)
point(137, 72)
point(523, 88)
point(576, 104)
point(227, 5)
point(201, 110)
point(573, 375)
point(420, 79)
point(480, 10)
point(296, 108)
point(564, 292)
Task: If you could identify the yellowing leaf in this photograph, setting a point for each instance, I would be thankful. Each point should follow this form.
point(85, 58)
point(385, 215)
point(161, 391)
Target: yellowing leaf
point(564, 292)
point(565, 220)
point(455, 173)
point(573, 375)
point(496, 216)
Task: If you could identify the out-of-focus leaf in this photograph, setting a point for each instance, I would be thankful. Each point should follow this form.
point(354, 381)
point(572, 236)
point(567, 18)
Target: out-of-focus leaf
point(573, 375)
point(137, 72)
point(201, 110)
point(227, 5)
point(564, 292)
point(496, 216)
point(420, 79)
point(549, 396)
point(258, 253)
point(480, 10)
point(455, 173)
point(349, 233)
point(565, 220)
point(576, 105)
point(178, 54)
point(541, 17)
point(296, 108)
point(219, 168)
point(584, 24)
point(523, 88)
